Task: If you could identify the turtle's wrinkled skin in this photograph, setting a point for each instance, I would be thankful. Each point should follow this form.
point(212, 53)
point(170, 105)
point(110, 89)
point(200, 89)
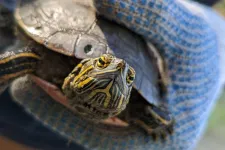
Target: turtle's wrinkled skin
point(100, 86)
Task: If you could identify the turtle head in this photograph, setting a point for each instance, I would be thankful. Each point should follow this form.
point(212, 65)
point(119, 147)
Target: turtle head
point(99, 88)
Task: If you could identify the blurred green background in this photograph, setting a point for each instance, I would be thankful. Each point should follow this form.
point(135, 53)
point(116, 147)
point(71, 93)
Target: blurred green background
point(214, 138)
point(220, 6)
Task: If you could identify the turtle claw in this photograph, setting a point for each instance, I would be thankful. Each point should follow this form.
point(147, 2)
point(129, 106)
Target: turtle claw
point(157, 135)
point(163, 135)
point(154, 136)
point(170, 128)
point(161, 132)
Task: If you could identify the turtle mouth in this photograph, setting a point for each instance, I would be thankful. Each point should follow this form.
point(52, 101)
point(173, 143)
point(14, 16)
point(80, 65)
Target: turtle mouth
point(54, 92)
point(90, 111)
point(93, 112)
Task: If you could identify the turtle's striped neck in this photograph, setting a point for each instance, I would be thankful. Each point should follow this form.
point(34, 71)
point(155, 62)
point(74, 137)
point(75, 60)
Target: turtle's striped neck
point(15, 63)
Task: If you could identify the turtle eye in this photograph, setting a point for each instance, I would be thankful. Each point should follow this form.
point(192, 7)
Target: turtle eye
point(130, 75)
point(103, 62)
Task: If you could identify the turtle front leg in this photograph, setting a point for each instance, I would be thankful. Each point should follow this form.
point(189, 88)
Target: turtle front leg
point(155, 120)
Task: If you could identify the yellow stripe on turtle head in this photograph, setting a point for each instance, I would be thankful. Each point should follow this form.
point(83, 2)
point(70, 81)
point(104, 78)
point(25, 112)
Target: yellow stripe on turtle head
point(85, 82)
point(81, 74)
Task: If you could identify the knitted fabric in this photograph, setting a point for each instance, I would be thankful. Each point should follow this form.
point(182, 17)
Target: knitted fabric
point(189, 39)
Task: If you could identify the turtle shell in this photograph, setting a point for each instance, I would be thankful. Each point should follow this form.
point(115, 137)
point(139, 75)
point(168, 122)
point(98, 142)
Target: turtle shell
point(62, 25)
point(70, 27)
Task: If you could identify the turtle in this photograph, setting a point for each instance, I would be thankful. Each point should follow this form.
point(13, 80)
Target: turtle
point(74, 37)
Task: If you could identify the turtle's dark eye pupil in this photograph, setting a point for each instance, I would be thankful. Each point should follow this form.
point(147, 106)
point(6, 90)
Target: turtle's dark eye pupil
point(87, 48)
point(131, 78)
point(101, 61)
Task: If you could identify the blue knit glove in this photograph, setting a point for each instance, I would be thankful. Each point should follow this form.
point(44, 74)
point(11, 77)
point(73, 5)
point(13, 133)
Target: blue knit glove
point(190, 37)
